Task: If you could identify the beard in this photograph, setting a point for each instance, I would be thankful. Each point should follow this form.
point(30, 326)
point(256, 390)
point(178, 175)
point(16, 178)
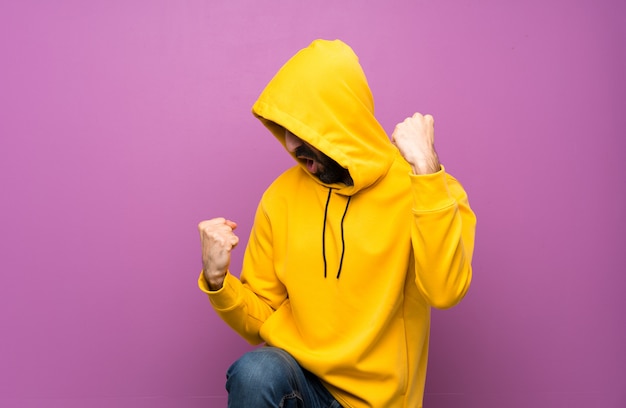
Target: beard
point(331, 172)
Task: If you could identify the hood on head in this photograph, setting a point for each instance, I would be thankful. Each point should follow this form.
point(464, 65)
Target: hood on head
point(321, 95)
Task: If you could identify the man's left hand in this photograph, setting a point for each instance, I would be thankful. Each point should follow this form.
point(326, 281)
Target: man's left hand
point(415, 138)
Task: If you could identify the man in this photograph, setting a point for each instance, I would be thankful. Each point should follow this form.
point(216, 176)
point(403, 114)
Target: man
point(349, 250)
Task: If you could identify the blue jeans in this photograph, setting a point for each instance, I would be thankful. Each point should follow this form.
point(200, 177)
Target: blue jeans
point(270, 377)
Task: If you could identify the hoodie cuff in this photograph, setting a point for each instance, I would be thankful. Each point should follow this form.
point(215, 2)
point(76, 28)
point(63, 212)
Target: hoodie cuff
point(430, 191)
point(224, 298)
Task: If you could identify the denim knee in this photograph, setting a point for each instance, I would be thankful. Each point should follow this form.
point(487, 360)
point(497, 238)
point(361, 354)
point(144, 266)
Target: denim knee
point(271, 377)
point(266, 368)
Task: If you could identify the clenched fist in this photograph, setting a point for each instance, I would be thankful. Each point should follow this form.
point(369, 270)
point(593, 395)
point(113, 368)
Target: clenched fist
point(218, 240)
point(415, 138)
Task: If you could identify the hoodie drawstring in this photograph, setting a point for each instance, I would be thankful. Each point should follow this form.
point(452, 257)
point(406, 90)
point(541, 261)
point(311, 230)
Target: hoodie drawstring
point(343, 244)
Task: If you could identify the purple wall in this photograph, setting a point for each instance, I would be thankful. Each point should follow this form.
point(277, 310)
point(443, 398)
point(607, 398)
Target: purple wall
point(124, 123)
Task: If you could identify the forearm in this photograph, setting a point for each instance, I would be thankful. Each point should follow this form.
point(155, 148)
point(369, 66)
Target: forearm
point(442, 238)
point(238, 306)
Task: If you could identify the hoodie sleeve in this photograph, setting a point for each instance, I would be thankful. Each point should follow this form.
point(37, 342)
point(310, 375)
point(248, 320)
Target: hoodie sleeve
point(442, 236)
point(244, 304)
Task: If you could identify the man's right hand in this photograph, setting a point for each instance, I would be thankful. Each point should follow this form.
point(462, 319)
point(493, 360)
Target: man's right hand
point(218, 240)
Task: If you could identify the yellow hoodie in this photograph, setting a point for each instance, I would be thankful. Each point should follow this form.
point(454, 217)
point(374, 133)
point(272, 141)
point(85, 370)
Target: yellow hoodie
point(343, 277)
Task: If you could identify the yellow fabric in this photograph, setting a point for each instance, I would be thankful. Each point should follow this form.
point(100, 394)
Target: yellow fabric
point(408, 243)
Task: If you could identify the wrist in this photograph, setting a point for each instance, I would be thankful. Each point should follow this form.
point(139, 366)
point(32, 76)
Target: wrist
point(427, 165)
point(214, 283)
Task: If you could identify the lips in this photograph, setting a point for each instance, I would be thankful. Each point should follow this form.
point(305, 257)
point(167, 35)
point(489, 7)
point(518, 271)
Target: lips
point(312, 166)
point(309, 159)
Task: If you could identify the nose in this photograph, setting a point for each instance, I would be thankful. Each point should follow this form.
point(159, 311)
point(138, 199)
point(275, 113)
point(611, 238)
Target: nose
point(292, 142)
